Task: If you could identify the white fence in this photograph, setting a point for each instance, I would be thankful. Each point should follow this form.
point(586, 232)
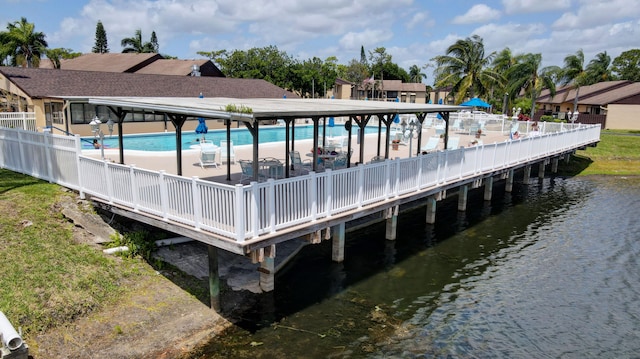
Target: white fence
point(246, 212)
point(23, 120)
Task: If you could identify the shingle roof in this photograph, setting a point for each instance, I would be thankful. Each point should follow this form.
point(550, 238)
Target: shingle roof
point(109, 62)
point(601, 93)
point(40, 83)
point(180, 67)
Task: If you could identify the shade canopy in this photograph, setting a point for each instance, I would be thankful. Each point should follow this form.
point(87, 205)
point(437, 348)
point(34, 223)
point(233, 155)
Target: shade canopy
point(476, 102)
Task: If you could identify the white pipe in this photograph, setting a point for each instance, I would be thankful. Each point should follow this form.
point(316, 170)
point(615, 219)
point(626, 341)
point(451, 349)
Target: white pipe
point(115, 250)
point(171, 241)
point(10, 337)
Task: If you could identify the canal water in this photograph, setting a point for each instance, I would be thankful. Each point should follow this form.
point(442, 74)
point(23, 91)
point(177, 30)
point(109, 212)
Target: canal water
point(551, 270)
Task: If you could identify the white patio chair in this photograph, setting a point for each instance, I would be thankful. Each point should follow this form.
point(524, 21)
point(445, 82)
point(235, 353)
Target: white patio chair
point(208, 153)
point(247, 172)
point(298, 166)
point(431, 145)
point(227, 156)
point(453, 143)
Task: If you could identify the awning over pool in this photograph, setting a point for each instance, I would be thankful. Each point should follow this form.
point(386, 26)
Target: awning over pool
point(268, 108)
point(252, 110)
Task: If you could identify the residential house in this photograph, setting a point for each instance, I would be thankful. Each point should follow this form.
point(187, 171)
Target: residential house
point(614, 104)
point(144, 63)
point(59, 97)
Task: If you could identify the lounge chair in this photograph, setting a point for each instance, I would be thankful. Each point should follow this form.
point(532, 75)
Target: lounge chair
point(225, 156)
point(208, 153)
point(453, 142)
point(298, 166)
point(431, 145)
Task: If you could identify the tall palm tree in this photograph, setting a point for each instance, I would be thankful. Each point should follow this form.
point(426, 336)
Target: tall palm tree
point(526, 75)
point(575, 74)
point(23, 44)
point(415, 75)
point(599, 68)
point(466, 68)
point(136, 45)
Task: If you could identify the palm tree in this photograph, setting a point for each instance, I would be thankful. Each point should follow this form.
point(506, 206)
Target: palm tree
point(23, 44)
point(465, 67)
point(526, 75)
point(136, 45)
point(415, 75)
point(575, 74)
point(599, 68)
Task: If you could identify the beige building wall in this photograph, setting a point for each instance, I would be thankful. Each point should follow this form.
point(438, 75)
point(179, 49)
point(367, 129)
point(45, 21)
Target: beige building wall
point(623, 117)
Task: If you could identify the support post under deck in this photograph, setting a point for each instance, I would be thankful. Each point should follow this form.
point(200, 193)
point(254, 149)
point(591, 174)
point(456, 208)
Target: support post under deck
point(509, 182)
point(337, 249)
point(431, 210)
point(488, 188)
point(527, 174)
point(463, 193)
point(392, 223)
point(267, 274)
point(541, 169)
point(214, 278)
point(554, 165)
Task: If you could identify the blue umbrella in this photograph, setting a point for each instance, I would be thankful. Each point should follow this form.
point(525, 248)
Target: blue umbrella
point(332, 124)
point(476, 102)
point(202, 126)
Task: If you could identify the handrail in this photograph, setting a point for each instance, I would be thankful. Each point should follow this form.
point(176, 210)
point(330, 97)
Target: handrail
point(243, 213)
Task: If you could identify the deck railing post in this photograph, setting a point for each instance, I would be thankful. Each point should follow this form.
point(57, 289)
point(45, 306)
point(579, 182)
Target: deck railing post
point(240, 213)
point(254, 212)
point(313, 194)
point(108, 179)
point(418, 162)
point(197, 202)
point(360, 185)
point(48, 149)
point(329, 187)
point(271, 197)
point(78, 147)
point(134, 187)
point(164, 198)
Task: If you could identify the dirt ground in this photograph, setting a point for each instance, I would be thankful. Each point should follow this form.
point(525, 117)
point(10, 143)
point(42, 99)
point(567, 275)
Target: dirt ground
point(155, 319)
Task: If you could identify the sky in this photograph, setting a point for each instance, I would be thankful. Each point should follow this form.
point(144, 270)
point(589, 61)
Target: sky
point(412, 31)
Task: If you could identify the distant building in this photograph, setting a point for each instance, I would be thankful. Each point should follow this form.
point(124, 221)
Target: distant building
point(144, 63)
point(614, 104)
point(59, 97)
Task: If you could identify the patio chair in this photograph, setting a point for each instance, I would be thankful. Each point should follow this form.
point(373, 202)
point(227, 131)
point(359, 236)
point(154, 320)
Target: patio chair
point(208, 153)
point(247, 172)
point(453, 143)
point(224, 156)
point(431, 145)
point(298, 166)
point(340, 161)
point(377, 159)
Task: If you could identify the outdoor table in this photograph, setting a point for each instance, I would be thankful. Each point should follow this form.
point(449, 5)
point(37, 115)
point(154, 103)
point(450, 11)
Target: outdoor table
point(271, 167)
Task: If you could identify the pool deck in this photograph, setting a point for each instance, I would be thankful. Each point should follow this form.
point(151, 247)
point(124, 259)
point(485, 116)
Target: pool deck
point(167, 161)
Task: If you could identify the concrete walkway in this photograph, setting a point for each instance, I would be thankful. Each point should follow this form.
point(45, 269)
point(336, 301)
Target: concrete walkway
point(167, 160)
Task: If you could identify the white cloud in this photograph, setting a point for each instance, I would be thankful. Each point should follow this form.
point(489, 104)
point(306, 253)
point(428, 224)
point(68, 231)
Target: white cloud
point(480, 13)
point(366, 38)
point(598, 12)
point(531, 6)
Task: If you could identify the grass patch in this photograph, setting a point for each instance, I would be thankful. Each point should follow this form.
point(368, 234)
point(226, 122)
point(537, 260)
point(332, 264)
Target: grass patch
point(618, 153)
point(49, 279)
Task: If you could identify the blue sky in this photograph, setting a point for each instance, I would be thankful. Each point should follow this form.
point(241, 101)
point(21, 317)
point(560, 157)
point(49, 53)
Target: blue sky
point(412, 31)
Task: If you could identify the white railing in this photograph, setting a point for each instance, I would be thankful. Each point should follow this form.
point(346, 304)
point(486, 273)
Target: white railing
point(247, 212)
point(19, 120)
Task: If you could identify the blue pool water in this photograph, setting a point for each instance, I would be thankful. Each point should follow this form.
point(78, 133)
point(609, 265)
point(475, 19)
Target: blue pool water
point(167, 141)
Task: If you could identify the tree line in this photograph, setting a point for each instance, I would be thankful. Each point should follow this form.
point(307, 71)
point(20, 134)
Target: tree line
point(501, 78)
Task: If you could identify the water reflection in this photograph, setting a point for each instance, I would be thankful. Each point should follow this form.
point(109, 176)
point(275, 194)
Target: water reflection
point(548, 270)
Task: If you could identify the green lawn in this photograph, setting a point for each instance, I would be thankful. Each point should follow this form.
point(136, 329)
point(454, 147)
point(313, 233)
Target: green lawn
point(618, 153)
point(47, 278)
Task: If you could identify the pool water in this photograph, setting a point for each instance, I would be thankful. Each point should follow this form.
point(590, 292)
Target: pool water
point(166, 141)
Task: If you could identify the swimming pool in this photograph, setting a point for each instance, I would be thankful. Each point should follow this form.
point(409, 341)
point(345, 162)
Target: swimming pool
point(239, 136)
